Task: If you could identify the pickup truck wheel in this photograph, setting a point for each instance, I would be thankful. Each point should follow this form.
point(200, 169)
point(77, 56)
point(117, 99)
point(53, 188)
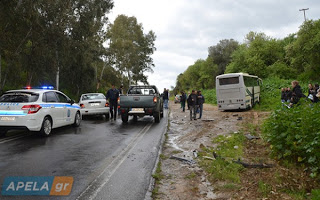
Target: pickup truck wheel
point(124, 118)
point(157, 117)
point(3, 133)
point(135, 118)
point(46, 127)
point(161, 113)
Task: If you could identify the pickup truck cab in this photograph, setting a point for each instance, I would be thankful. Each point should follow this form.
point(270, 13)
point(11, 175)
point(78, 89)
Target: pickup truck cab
point(141, 100)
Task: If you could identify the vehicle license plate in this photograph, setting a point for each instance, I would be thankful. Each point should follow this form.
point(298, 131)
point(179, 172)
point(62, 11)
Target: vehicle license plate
point(95, 104)
point(137, 109)
point(8, 118)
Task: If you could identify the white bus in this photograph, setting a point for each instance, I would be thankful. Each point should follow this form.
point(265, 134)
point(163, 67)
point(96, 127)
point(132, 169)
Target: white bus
point(237, 91)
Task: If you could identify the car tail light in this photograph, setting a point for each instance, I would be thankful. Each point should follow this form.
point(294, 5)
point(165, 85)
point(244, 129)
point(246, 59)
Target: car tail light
point(155, 99)
point(82, 105)
point(118, 100)
point(32, 108)
point(107, 104)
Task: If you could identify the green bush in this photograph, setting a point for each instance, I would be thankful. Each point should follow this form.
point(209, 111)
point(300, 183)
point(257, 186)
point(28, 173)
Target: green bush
point(294, 134)
point(210, 96)
point(271, 93)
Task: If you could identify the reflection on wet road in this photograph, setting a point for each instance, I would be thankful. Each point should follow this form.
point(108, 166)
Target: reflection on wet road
point(107, 159)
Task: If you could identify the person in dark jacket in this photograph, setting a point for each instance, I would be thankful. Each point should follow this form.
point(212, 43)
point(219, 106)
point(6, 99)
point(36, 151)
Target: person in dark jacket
point(192, 102)
point(183, 99)
point(165, 98)
point(288, 94)
point(113, 95)
point(311, 92)
point(316, 88)
point(283, 95)
point(296, 93)
point(200, 103)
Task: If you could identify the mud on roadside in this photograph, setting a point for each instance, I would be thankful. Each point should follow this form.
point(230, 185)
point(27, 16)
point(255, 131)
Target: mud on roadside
point(188, 181)
point(182, 180)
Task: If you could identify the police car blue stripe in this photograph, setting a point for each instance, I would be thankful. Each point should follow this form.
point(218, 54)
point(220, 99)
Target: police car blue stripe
point(59, 105)
point(11, 113)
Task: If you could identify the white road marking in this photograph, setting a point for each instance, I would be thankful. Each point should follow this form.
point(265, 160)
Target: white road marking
point(11, 138)
point(112, 167)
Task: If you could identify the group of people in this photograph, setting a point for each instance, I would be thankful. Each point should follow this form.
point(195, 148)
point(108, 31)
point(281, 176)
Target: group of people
point(195, 103)
point(293, 96)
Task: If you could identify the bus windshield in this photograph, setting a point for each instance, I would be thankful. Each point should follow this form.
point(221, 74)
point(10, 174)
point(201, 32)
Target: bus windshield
point(229, 81)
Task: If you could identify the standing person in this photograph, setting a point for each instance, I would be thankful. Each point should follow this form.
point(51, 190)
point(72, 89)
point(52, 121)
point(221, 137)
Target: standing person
point(192, 102)
point(165, 98)
point(200, 102)
point(296, 93)
point(183, 100)
point(113, 95)
point(121, 89)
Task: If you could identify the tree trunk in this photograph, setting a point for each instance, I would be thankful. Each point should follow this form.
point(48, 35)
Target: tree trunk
point(101, 75)
point(58, 71)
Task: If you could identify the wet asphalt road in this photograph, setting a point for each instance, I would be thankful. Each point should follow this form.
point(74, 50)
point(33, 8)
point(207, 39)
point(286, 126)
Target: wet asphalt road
point(107, 159)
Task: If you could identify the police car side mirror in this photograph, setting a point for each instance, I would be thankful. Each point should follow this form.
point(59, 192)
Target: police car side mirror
point(71, 101)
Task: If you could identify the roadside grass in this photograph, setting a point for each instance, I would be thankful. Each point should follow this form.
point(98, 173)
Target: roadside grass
point(157, 177)
point(228, 148)
point(264, 188)
point(191, 175)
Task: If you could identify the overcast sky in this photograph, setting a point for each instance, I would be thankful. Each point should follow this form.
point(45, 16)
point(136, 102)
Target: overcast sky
point(186, 28)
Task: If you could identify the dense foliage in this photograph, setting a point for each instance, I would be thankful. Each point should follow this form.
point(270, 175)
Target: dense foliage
point(63, 43)
point(294, 134)
point(296, 56)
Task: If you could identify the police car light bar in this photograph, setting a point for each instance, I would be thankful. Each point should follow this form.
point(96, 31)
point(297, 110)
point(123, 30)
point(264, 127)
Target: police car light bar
point(42, 87)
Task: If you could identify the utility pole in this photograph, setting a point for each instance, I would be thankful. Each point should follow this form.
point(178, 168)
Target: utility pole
point(304, 12)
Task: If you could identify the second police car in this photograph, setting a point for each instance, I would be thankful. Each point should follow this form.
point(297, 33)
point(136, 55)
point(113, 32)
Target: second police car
point(37, 110)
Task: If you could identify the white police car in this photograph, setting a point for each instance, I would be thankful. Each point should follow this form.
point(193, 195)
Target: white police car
point(37, 110)
point(94, 104)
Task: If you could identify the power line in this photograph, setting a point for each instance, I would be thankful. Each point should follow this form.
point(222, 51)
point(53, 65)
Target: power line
point(304, 12)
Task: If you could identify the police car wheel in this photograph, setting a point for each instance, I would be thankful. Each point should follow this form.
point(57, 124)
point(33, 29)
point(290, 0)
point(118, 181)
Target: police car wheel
point(46, 127)
point(77, 120)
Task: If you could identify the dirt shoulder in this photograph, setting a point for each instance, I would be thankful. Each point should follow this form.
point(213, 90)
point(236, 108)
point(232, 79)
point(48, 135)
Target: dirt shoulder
point(187, 180)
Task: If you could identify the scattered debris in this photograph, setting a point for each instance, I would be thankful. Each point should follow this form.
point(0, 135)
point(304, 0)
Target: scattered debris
point(208, 120)
point(202, 146)
point(251, 137)
point(247, 165)
point(235, 115)
point(195, 153)
point(190, 162)
point(236, 147)
point(239, 118)
point(208, 158)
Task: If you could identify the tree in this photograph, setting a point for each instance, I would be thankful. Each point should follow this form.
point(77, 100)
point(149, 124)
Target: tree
point(304, 52)
point(131, 49)
point(221, 53)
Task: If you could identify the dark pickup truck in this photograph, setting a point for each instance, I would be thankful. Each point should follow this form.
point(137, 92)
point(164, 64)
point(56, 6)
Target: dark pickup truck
point(141, 100)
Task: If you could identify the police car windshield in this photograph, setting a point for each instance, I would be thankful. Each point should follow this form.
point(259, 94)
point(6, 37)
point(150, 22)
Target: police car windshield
point(92, 97)
point(19, 97)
